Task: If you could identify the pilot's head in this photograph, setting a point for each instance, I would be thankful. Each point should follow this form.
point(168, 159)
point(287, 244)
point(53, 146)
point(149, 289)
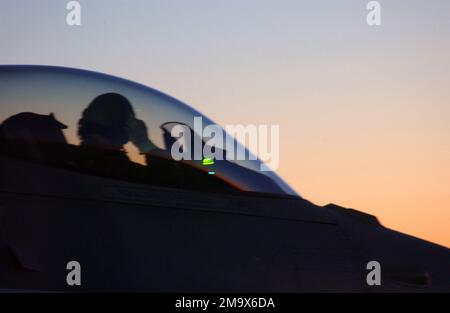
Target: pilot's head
point(104, 122)
point(28, 127)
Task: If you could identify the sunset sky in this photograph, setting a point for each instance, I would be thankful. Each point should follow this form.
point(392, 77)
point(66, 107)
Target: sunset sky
point(364, 112)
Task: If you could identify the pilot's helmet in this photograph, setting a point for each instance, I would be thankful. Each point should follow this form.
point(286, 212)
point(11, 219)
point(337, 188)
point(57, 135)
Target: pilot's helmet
point(33, 127)
point(105, 120)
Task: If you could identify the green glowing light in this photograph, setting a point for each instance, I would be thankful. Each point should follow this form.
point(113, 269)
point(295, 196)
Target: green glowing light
point(208, 161)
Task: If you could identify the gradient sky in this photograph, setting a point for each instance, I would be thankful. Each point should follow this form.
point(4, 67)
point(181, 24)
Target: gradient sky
point(364, 112)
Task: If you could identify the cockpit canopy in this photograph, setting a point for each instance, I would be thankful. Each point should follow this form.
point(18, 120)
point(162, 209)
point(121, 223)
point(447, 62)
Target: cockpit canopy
point(102, 125)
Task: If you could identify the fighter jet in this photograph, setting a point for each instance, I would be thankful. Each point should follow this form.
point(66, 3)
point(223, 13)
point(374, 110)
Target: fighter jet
point(88, 183)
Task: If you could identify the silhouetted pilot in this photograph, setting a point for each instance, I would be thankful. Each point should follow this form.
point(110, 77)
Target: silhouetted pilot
point(109, 122)
point(106, 125)
point(34, 136)
point(29, 126)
